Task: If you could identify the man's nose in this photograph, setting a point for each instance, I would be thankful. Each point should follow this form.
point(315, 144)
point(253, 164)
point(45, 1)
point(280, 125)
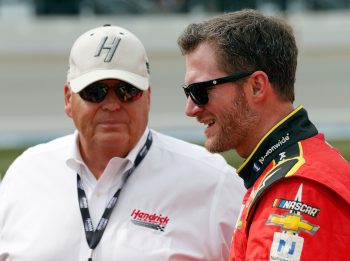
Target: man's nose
point(111, 102)
point(191, 109)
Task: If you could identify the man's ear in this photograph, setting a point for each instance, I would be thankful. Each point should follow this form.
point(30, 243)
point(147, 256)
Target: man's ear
point(149, 98)
point(68, 100)
point(260, 85)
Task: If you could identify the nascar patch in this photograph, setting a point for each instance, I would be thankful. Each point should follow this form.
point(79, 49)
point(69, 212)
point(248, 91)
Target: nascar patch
point(286, 247)
point(295, 205)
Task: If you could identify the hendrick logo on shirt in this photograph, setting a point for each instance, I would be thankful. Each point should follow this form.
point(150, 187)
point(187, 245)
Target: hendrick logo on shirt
point(153, 221)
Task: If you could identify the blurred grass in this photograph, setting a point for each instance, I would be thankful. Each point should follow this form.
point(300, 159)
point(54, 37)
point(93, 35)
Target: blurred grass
point(9, 154)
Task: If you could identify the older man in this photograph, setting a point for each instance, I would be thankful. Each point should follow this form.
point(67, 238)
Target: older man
point(115, 189)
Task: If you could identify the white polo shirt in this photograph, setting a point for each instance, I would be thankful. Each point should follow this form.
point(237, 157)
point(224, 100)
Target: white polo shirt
point(193, 195)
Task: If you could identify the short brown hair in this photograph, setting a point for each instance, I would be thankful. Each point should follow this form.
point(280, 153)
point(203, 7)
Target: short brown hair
point(247, 40)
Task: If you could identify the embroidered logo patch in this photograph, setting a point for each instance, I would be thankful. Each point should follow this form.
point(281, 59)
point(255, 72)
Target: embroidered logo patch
point(295, 205)
point(286, 247)
point(273, 148)
point(153, 221)
point(292, 223)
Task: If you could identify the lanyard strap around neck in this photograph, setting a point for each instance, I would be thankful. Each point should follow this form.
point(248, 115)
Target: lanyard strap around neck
point(93, 237)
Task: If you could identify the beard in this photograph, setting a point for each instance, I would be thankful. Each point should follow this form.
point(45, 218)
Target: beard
point(236, 121)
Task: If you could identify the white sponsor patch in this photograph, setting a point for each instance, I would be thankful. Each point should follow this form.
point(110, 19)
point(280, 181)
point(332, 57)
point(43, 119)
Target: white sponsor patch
point(286, 247)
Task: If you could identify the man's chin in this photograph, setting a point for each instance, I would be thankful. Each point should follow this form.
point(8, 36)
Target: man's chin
point(214, 145)
point(112, 138)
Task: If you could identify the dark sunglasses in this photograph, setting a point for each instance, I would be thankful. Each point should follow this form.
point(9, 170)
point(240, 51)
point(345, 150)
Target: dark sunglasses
point(97, 91)
point(198, 91)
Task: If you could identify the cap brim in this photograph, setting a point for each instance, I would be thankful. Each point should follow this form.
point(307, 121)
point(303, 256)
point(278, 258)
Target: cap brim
point(86, 79)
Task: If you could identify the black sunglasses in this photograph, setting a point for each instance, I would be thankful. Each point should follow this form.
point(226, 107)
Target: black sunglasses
point(97, 91)
point(198, 91)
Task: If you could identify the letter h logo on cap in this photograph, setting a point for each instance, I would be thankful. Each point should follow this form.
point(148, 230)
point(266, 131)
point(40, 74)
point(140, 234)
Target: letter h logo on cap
point(111, 47)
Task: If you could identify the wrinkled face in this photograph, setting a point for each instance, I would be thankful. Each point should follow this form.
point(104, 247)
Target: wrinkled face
point(110, 123)
point(227, 115)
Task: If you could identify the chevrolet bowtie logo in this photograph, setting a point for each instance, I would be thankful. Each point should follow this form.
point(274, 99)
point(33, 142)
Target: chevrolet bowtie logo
point(292, 223)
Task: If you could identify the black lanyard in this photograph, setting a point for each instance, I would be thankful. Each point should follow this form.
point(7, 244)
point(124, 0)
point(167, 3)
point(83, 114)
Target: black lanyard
point(93, 237)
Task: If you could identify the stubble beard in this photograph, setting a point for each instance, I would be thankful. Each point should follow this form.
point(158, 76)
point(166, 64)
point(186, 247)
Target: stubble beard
point(235, 123)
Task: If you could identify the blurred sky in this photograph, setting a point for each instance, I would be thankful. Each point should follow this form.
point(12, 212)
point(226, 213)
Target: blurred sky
point(34, 57)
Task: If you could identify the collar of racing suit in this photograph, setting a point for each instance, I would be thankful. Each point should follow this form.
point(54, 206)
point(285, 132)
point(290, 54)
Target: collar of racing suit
point(293, 128)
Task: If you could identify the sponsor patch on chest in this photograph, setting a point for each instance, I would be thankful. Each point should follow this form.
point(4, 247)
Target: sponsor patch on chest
point(286, 247)
point(152, 221)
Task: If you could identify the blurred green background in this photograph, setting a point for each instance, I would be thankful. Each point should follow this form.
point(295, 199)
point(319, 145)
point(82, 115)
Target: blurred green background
point(8, 155)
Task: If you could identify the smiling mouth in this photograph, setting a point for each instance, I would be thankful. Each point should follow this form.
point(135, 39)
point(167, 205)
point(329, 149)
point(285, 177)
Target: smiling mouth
point(208, 123)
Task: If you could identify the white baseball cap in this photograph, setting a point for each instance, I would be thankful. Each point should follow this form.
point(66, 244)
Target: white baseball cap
point(108, 52)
